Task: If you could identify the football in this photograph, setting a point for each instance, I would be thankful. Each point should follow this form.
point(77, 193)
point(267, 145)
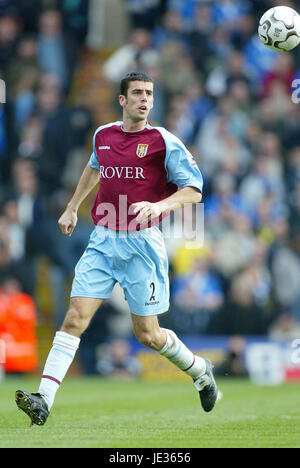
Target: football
point(279, 28)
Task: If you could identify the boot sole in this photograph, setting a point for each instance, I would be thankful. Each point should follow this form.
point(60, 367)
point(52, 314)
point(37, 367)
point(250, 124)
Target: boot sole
point(24, 403)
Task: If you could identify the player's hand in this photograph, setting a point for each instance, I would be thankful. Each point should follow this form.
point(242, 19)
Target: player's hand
point(67, 222)
point(146, 211)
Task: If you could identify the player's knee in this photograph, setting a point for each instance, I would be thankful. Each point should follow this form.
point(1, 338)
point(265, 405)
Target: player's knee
point(151, 339)
point(75, 322)
point(145, 338)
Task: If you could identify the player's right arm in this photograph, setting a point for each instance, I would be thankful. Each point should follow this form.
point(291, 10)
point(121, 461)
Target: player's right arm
point(87, 181)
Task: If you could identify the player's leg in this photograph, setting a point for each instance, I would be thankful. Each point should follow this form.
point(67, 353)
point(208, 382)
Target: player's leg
point(148, 331)
point(146, 286)
point(65, 344)
point(145, 281)
point(167, 343)
point(92, 283)
point(79, 315)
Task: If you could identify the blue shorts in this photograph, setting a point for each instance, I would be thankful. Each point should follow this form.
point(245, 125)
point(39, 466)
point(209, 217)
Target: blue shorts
point(136, 260)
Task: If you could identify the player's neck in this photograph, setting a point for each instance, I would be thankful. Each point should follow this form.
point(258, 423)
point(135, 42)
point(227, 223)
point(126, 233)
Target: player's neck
point(132, 126)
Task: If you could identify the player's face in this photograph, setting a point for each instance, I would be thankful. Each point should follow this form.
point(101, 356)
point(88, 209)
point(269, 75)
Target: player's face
point(138, 102)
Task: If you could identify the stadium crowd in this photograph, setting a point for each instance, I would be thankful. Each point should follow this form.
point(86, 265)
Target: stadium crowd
point(232, 101)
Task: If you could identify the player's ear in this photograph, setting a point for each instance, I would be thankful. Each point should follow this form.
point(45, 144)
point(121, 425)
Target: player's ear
point(122, 100)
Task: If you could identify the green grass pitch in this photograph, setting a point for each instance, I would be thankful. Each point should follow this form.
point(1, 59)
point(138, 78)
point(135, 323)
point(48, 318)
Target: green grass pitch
point(93, 412)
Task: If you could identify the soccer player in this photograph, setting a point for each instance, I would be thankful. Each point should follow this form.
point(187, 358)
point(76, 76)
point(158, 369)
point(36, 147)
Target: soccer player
point(145, 172)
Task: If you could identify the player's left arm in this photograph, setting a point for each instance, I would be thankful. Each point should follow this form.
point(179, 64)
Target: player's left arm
point(181, 170)
point(147, 210)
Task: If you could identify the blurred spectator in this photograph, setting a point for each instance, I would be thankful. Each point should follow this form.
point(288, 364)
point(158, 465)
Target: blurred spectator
point(233, 364)
point(235, 246)
point(25, 191)
point(54, 47)
point(32, 231)
point(197, 295)
point(199, 37)
point(10, 29)
point(144, 13)
point(201, 283)
point(268, 214)
point(23, 216)
point(57, 137)
point(134, 55)
point(179, 119)
point(170, 29)
point(283, 74)
point(292, 170)
point(284, 327)
point(289, 130)
point(186, 10)
point(285, 268)
point(294, 204)
point(116, 361)
point(221, 46)
point(31, 139)
point(5, 258)
point(199, 105)
point(25, 98)
point(240, 92)
point(4, 159)
point(258, 59)
point(265, 179)
point(230, 70)
point(184, 237)
point(81, 122)
point(218, 145)
point(228, 14)
point(224, 204)
point(75, 16)
point(30, 11)
point(241, 314)
point(253, 136)
point(15, 231)
point(24, 60)
point(177, 69)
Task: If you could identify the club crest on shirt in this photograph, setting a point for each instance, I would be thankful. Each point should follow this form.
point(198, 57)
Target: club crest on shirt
point(142, 150)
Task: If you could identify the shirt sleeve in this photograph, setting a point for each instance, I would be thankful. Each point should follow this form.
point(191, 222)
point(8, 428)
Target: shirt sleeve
point(180, 165)
point(94, 163)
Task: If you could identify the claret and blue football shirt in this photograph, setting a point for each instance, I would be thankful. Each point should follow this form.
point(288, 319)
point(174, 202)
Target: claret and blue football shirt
point(146, 165)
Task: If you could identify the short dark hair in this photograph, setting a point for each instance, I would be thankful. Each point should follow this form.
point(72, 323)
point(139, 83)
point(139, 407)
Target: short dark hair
point(133, 76)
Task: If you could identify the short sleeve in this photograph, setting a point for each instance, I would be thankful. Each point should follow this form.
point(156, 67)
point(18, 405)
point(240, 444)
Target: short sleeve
point(180, 165)
point(94, 163)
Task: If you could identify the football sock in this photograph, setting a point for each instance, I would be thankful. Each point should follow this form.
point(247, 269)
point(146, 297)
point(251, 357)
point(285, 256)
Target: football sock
point(177, 353)
point(58, 362)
